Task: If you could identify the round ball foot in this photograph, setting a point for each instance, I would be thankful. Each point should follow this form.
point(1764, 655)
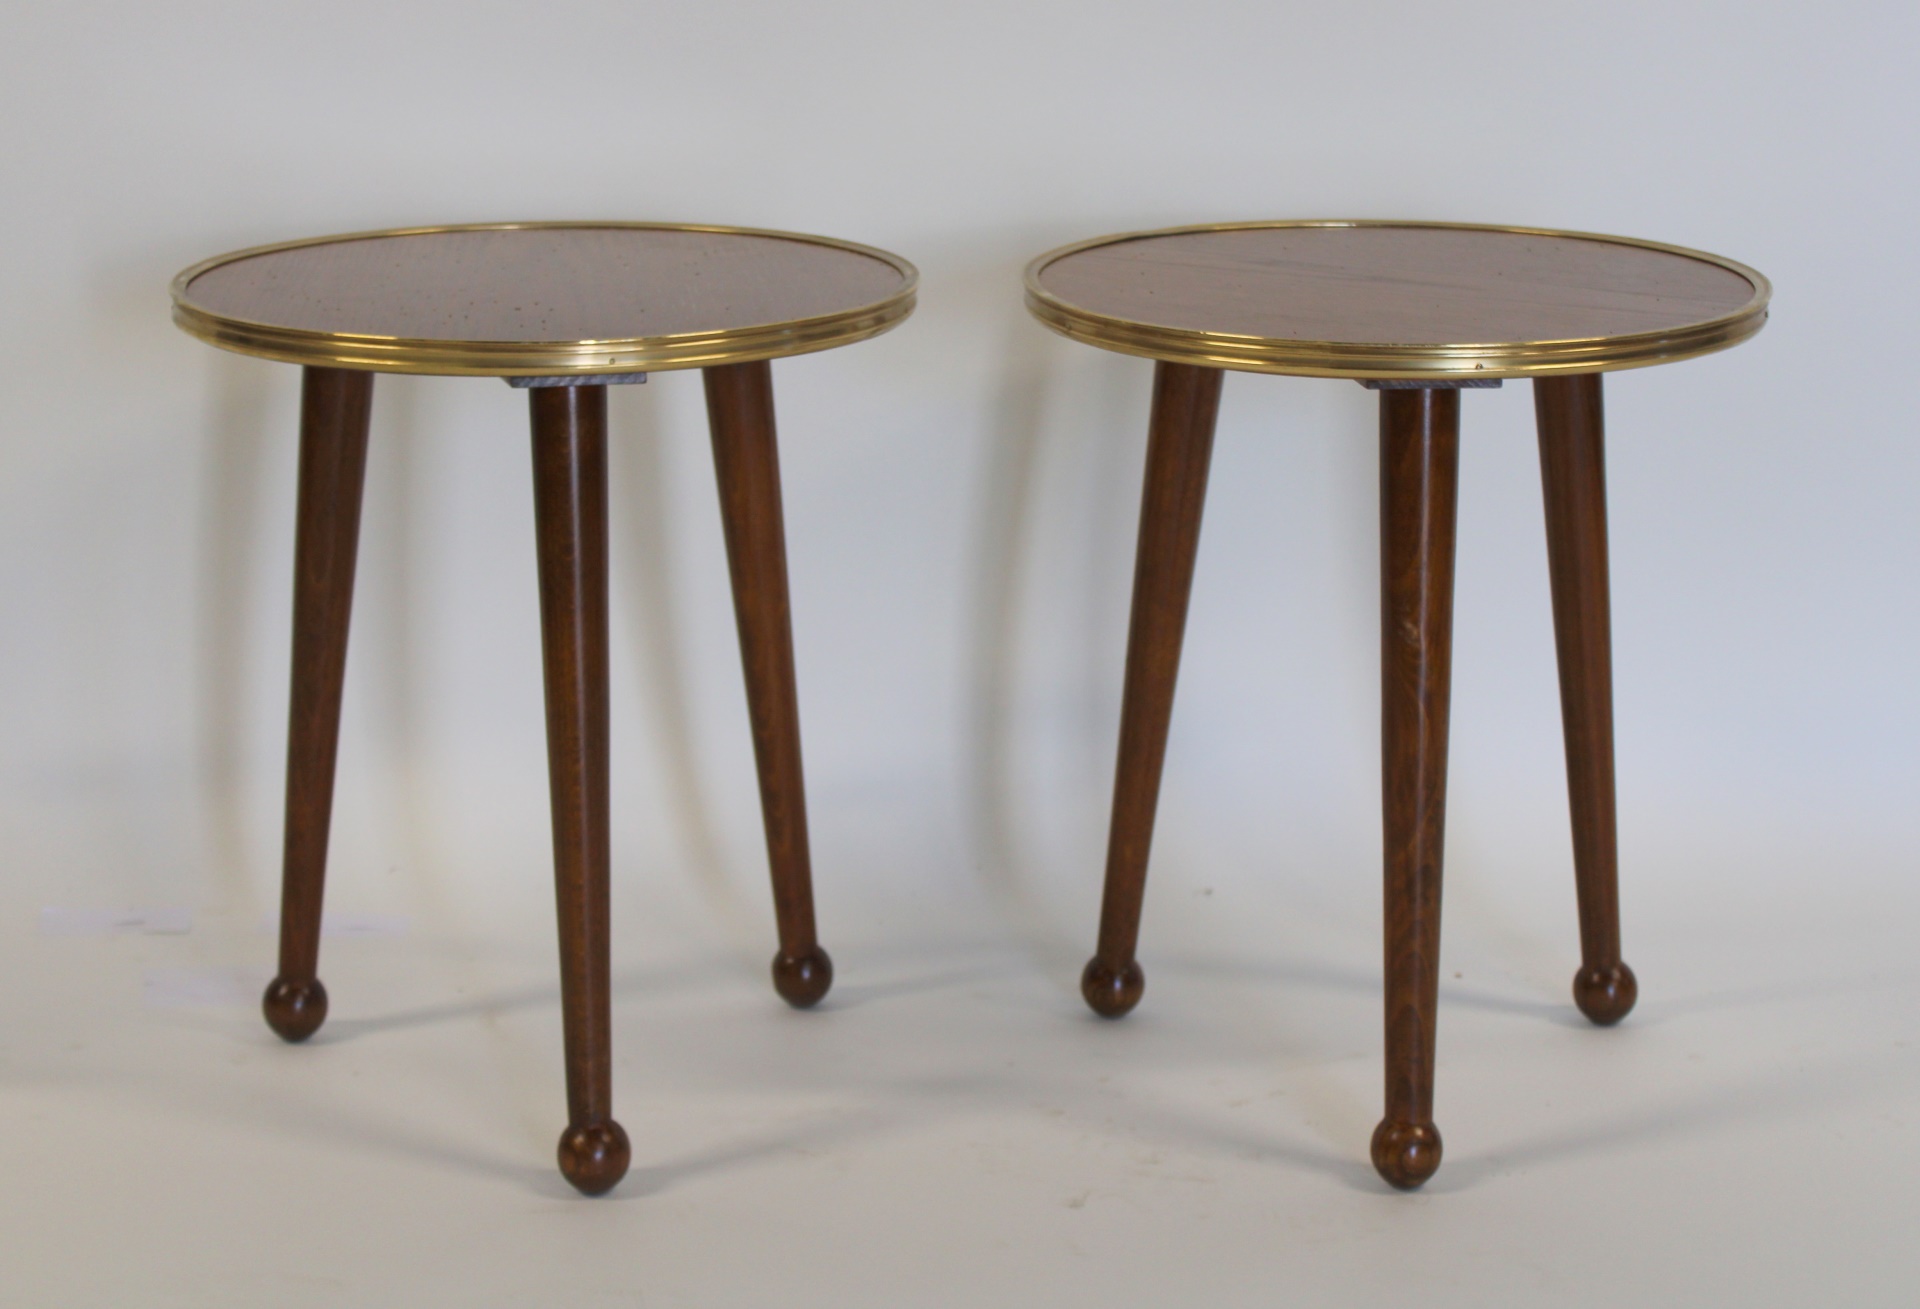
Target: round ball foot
point(803, 979)
point(594, 1157)
point(295, 1010)
point(1605, 994)
point(1109, 993)
point(1406, 1154)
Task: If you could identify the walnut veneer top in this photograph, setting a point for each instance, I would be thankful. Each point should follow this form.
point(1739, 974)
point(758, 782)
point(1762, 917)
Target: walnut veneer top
point(544, 298)
point(1396, 300)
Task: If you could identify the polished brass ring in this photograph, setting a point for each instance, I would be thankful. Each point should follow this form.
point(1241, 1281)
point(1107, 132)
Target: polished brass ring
point(1435, 362)
point(392, 354)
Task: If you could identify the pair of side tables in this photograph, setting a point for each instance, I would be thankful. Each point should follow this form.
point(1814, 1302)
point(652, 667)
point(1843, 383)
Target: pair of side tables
point(1417, 311)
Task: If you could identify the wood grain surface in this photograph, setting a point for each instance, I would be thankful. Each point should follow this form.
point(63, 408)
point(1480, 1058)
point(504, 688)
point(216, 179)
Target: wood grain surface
point(1395, 285)
point(544, 284)
point(1573, 473)
point(746, 460)
point(335, 411)
point(570, 524)
point(1186, 402)
point(1419, 496)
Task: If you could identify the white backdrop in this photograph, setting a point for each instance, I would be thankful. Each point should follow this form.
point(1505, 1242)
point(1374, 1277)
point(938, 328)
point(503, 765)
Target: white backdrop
point(961, 493)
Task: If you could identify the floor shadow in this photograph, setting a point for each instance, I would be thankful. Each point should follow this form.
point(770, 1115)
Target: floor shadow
point(896, 1105)
point(1003, 550)
point(642, 520)
point(859, 994)
point(1358, 981)
point(237, 441)
point(818, 1132)
point(1165, 1122)
point(1779, 1094)
point(650, 982)
point(1656, 1009)
point(311, 1118)
point(391, 591)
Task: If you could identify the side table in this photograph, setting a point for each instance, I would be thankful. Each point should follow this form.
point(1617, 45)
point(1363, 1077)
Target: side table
point(562, 309)
point(1417, 311)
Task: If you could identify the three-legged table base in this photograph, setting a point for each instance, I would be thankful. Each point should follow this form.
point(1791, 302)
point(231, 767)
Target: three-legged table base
point(1419, 461)
point(570, 504)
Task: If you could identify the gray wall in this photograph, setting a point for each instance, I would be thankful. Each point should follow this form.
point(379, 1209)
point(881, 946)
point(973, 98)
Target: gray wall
point(961, 493)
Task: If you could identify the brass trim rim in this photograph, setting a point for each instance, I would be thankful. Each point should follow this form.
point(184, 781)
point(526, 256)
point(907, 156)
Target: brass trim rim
point(1438, 362)
point(455, 358)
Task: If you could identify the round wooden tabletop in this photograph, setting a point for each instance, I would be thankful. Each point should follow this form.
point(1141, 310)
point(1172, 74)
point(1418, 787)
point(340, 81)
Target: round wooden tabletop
point(1435, 301)
point(544, 299)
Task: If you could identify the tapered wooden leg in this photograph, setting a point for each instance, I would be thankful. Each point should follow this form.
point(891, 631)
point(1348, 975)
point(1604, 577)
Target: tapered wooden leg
point(334, 407)
point(1419, 464)
point(570, 518)
point(746, 461)
point(1186, 400)
point(1573, 471)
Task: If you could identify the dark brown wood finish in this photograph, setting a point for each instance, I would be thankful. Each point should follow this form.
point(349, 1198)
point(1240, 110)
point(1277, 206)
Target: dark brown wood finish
point(1395, 285)
point(1421, 309)
point(334, 409)
point(1186, 401)
point(1419, 468)
point(1573, 473)
point(544, 284)
point(746, 462)
point(570, 517)
point(549, 301)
